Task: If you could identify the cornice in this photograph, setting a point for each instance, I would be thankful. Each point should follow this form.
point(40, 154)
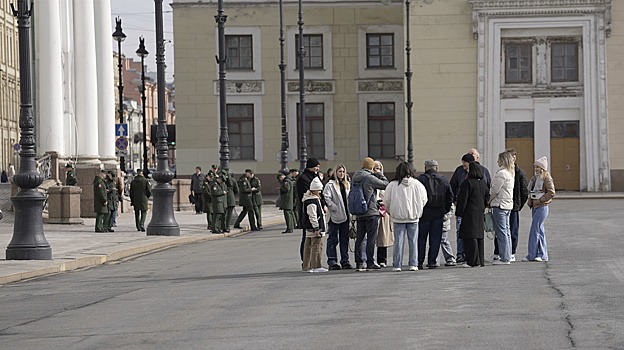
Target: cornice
point(308, 3)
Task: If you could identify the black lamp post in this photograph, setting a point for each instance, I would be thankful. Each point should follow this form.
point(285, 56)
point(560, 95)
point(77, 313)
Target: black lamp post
point(163, 221)
point(119, 36)
point(282, 67)
point(142, 52)
point(408, 75)
point(303, 147)
point(28, 242)
point(224, 138)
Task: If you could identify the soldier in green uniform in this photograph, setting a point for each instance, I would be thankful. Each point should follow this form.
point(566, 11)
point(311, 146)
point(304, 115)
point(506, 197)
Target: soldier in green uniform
point(100, 201)
point(206, 184)
point(140, 191)
point(70, 175)
point(111, 197)
point(245, 200)
point(256, 191)
point(232, 188)
point(218, 194)
point(286, 201)
point(293, 177)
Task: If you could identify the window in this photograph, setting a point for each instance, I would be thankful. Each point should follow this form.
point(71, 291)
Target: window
point(564, 62)
point(379, 50)
point(564, 129)
point(381, 134)
point(519, 130)
point(241, 130)
point(239, 52)
point(518, 66)
point(313, 46)
point(315, 129)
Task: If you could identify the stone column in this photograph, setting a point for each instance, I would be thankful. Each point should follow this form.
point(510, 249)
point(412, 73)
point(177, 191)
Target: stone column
point(50, 77)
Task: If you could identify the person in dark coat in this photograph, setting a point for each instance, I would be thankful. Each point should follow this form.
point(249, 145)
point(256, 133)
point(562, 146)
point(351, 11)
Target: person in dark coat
point(100, 201)
point(140, 191)
point(111, 196)
point(218, 198)
point(471, 202)
point(294, 175)
point(197, 180)
point(303, 185)
point(286, 201)
point(231, 195)
point(207, 199)
point(245, 200)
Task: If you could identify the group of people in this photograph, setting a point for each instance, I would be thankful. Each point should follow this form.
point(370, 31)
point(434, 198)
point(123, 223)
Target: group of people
point(107, 191)
point(416, 207)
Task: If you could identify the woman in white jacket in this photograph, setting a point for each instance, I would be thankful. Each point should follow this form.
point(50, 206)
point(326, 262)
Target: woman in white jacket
point(501, 202)
point(405, 198)
point(336, 193)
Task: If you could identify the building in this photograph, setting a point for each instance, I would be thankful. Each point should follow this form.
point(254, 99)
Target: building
point(9, 87)
point(543, 76)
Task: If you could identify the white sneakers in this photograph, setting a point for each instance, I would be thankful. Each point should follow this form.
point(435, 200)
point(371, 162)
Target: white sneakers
point(382, 264)
point(396, 269)
point(536, 259)
point(513, 258)
point(413, 268)
point(499, 262)
point(495, 257)
point(466, 265)
point(317, 270)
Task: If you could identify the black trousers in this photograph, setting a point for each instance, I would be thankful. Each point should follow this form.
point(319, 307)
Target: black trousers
point(382, 255)
point(474, 251)
point(199, 203)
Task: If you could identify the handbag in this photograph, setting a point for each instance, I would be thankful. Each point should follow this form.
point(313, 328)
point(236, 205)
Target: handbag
point(489, 221)
point(352, 230)
point(191, 199)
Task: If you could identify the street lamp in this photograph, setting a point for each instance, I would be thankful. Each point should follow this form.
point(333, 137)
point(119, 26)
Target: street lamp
point(282, 67)
point(28, 242)
point(224, 149)
point(119, 36)
point(408, 75)
point(163, 221)
point(142, 52)
point(303, 147)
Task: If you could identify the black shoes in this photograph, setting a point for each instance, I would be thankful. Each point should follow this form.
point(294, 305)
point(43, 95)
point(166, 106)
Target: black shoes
point(460, 259)
point(238, 227)
point(142, 229)
point(373, 267)
point(347, 266)
point(288, 231)
point(334, 267)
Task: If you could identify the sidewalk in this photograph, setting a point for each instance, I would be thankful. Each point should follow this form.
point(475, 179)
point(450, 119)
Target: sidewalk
point(78, 246)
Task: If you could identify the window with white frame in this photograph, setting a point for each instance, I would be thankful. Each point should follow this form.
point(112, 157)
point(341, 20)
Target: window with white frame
point(239, 52)
point(380, 50)
point(564, 61)
point(313, 46)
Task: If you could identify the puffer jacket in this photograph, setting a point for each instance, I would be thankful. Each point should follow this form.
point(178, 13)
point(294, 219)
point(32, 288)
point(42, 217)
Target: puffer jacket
point(405, 200)
point(335, 204)
point(501, 190)
point(370, 185)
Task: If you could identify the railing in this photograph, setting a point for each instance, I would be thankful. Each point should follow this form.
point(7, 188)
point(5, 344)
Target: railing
point(44, 166)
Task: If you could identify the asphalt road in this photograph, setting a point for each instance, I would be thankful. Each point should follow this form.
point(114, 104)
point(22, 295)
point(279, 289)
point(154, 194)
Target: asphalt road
point(248, 292)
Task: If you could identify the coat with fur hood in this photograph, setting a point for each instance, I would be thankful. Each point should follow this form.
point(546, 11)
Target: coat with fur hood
point(338, 212)
point(405, 200)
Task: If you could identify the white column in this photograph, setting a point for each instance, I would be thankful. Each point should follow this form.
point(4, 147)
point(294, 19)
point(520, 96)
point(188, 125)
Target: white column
point(85, 77)
point(50, 78)
point(105, 80)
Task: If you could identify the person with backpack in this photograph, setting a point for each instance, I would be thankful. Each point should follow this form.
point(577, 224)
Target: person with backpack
point(439, 202)
point(362, 204)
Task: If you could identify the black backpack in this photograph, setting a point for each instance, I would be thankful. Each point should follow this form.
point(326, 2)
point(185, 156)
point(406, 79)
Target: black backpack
point(436, 191)
point(357, 203)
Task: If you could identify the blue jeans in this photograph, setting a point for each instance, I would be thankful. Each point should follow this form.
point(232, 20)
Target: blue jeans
point(537, 234)
point(366, 232)
point(432, 229)
point(514, 222)
point(503, 235)
point(460, 242)
point(400, 229)
point(338, 234)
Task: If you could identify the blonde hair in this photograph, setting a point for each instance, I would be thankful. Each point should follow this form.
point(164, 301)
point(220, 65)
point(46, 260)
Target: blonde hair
point(544, 173)
point(345, 180)
point(378, 164)
point(506, 160)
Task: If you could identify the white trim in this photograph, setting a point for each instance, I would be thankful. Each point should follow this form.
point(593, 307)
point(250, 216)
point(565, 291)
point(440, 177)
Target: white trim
point(256, 40)
point(400, 127)
point(397, 70)
point(258, 125)
point(328, 123)
point(291, 46)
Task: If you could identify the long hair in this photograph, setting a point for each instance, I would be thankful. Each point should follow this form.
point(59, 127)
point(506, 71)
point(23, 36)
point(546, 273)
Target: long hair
point(474, 171)
point(506, 160)
point(345, 180)
point(402, 171)
point(544, 174)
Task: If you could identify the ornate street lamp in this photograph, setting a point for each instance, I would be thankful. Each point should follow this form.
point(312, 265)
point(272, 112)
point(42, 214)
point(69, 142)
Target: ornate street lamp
point(119, 36)
point(142, 52)
point(303, 147)
point(282, 67)
point(28, 242)
point(163, 221)
point(224, 138)
point(408, 75)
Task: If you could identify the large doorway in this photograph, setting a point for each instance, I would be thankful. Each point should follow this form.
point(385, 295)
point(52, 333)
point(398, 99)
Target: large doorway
point(564, 153)
point(519, 135)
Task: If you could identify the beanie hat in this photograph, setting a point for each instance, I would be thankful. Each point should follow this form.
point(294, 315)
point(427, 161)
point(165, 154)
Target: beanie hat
point(312, 162)
point(316, 184)
point(368, 163)
point(542, 163)
point(468, 158)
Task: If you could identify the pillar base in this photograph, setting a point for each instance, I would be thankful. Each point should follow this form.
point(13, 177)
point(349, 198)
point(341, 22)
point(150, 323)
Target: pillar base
point(163, 221)
point(28, 242)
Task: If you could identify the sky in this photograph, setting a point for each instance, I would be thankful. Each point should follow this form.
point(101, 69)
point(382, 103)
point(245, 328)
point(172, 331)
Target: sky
point(138, 19)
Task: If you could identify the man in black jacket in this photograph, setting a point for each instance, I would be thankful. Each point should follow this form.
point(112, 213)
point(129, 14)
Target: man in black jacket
point(197, 180)
point(303, 185)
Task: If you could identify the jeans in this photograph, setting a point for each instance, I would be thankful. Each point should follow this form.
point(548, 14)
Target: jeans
point(400, 229)
point(514, 222)
point(433, 229)
point(366, 229)
point(447, 250)
point(537, 234)
point(338, 234)
point(503, 235)
point(460, 242)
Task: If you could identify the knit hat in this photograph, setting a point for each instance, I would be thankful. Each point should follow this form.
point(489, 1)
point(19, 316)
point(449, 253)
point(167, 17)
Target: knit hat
point(316, 184)
point(312, 162)
point(432, 162)
point(542, 163)
point(368, 163)
point(468, 158)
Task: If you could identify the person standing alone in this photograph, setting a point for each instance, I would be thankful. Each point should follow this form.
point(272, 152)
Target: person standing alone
point(197, 180)
point(140, 191)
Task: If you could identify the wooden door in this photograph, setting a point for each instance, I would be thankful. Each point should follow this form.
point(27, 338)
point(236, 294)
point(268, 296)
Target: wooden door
point(565, 155)
point(519, 135)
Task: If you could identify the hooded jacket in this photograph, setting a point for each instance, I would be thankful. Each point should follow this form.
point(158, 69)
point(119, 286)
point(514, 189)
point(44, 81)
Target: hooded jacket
point(501, 191)
point(370, 184)
point(405, 200)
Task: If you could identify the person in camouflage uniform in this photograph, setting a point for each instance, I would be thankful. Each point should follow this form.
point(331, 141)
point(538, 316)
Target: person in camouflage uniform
point(100, 201)
point(256, 196)
point(111, 197)
point(207, 199)
point(218, 197)
point(294, 173)
point(245, 200)
point(232, 188)
point(70, 176)
point(286, 201)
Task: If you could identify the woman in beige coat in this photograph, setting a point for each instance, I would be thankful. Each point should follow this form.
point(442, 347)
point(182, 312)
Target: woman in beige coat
point(385, 233)
point(542, 192)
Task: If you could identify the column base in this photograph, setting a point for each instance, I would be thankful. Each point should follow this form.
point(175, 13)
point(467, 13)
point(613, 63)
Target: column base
point(163, 221)
point(28, 242)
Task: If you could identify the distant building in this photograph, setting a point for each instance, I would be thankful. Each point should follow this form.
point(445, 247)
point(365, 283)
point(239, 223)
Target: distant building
point(9, 86)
